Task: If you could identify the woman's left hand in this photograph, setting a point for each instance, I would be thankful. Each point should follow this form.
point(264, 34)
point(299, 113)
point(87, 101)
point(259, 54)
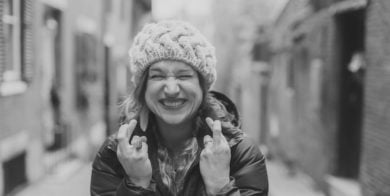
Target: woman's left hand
point(215, 159)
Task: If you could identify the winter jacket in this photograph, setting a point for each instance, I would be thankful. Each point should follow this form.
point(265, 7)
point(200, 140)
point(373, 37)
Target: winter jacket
point(248, 175)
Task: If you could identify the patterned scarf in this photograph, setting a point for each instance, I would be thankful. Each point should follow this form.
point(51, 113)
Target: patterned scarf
point(174, 166)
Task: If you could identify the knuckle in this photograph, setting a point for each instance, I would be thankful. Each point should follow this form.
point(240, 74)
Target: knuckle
point(223, 149)
point(139, 157)
point(205, 153)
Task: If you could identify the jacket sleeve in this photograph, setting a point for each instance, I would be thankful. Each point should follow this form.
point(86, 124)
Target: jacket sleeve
point(108, 176)
point(248, 174)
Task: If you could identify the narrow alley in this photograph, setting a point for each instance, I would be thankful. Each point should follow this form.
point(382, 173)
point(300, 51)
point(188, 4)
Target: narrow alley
point(308, 82)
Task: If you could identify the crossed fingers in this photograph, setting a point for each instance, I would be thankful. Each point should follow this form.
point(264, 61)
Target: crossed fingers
point(124, 134)
point(216, 129)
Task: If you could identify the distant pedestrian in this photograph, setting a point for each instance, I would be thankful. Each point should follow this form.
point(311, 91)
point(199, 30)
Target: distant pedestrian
point(179, 138)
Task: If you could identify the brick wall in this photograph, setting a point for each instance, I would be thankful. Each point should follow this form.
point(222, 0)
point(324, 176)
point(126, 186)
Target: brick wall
point(308, 110)
point(375, 170)
point(317, 96)
point(306, 107)
point(311, 139)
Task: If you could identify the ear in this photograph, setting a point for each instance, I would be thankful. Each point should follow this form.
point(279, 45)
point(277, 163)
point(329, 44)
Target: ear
point(144, 118)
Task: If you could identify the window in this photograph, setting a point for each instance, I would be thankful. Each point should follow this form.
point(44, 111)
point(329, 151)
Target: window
point(11, 33)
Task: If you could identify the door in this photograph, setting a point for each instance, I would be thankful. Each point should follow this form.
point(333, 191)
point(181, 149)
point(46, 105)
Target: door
point(350, 27)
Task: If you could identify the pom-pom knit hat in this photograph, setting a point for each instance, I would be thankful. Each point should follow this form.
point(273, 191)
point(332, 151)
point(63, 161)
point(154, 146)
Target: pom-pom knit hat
point(172, 40)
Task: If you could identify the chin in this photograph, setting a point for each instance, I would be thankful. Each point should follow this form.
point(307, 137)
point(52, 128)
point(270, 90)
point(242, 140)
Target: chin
point(173, 120)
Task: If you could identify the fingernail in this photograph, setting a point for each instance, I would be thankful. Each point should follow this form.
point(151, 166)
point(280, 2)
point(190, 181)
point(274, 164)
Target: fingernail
point(144, 139)
point(138, 145)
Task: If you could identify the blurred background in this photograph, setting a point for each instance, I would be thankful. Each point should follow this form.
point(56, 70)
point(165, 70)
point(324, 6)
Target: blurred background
point(311, 79)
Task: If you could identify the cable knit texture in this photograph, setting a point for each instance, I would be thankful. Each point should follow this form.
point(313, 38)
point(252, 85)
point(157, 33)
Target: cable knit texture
point(172, 40)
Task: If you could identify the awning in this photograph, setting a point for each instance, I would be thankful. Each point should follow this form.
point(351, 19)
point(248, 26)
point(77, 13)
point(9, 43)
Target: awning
point(348, 5)
point(317, 18)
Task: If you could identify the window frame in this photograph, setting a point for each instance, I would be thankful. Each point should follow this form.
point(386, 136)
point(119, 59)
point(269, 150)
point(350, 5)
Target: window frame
point(12, 78)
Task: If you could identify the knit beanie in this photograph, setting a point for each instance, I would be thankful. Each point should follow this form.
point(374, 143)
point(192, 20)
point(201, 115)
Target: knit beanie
point(172, 40)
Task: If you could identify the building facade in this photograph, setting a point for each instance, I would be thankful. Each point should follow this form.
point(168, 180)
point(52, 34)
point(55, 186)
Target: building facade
point(327, 113)
point(63, 71)
point(374, 175)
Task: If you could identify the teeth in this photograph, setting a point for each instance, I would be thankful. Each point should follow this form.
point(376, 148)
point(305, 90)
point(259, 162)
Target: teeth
point(173, 103)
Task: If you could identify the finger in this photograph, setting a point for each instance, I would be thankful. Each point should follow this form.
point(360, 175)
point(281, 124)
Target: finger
point(143, 144)
point(126, 130)
point(217, 131)
point(210, 122)
point(121, 135)
point(143, 139)
point(123, 140)
point(207, 141)
point(144, 147)
point(132, 125)
point(136, 142)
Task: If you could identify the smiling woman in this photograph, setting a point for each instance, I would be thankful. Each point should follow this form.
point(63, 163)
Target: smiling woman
point(173, 92)
point(178, 138)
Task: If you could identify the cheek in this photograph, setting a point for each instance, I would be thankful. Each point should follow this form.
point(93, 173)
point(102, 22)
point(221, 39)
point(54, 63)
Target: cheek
point(197, 94)
point(150, 94)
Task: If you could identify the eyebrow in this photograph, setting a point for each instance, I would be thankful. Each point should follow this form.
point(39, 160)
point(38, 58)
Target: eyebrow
point(155, 69)
point(186, 71)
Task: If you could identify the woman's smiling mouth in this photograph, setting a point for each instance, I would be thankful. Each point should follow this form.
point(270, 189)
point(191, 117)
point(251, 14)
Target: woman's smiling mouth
point(172, 103)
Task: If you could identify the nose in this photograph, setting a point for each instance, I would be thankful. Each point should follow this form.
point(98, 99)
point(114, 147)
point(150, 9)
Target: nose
point(171, 88)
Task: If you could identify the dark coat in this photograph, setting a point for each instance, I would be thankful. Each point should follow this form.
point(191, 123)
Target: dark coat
point(247, 171)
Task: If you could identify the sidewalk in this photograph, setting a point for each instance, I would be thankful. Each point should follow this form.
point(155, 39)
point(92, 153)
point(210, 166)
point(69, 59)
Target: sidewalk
point(282, 184)
point(70, 178)
point(73, 178)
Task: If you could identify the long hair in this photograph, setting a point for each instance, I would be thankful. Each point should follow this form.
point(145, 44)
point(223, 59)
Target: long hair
point(131, 107)
point(214, 109)
point(211, 107)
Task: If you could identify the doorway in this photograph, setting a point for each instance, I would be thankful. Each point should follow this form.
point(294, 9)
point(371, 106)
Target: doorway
point(350, 31)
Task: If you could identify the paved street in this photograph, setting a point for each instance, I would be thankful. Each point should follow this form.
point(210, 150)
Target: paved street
point(282, 184)
point(73, 178)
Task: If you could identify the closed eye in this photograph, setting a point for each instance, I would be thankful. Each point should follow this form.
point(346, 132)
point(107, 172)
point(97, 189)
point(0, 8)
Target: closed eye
point(156, 77)
point(185, 77)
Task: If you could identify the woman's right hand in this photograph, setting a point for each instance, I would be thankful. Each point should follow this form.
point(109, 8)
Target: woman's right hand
point(134, 157)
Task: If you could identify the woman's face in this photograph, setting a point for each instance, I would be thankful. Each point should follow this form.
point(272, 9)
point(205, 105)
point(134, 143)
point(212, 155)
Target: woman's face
point(173, 91)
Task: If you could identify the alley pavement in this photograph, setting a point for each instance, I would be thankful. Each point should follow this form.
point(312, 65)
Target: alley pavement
point(73, 178)
point(69, 178)
point(282, 182)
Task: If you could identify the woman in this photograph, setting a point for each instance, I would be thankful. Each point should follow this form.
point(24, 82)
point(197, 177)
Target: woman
point(179, 138)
